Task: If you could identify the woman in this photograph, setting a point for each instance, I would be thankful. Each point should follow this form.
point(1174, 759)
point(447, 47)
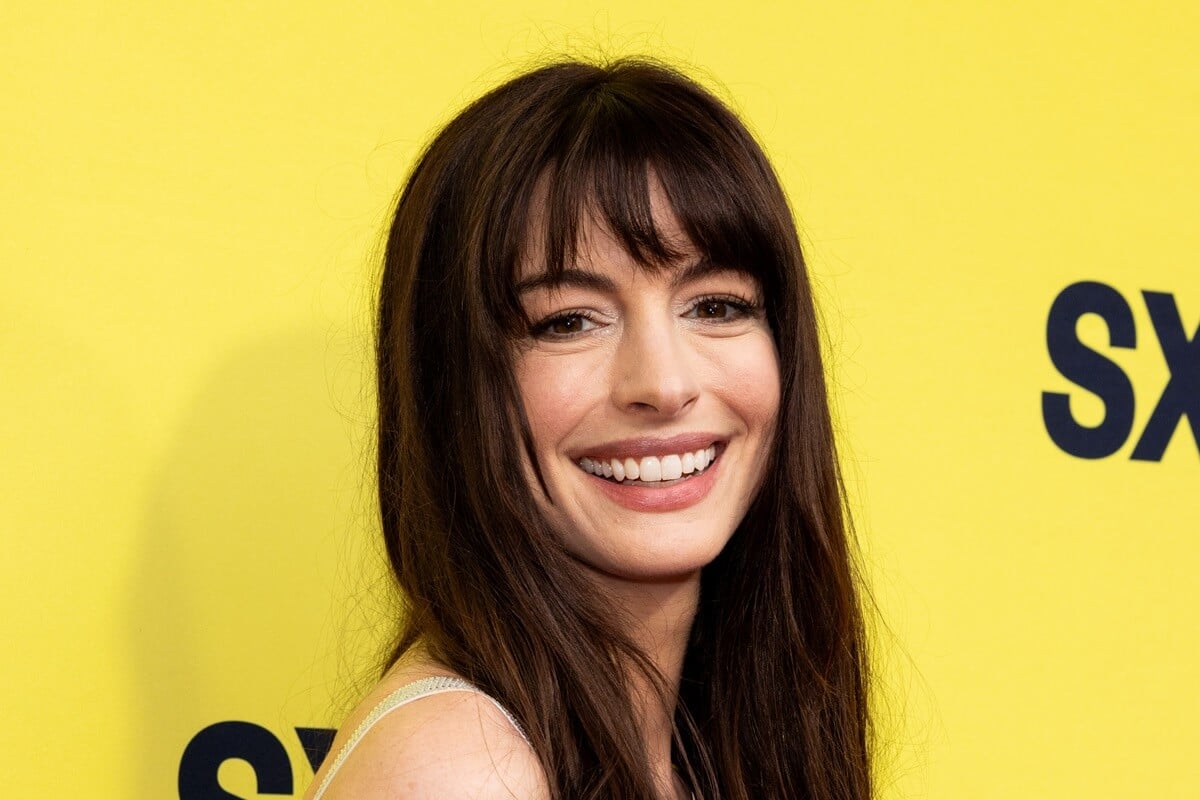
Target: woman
point(607, 475)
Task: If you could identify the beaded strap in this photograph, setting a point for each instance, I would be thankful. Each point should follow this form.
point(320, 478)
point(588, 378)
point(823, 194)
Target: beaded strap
point(405, 694)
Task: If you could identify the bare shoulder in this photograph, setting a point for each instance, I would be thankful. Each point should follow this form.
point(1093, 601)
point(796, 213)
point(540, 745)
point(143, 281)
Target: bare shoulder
point(451, 745)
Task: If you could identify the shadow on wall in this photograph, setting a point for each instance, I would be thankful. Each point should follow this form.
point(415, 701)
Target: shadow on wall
point(244, 545)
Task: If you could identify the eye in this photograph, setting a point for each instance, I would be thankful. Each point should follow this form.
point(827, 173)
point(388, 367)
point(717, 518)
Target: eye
point(713, 309)
point(722, 308)
point(562, 326)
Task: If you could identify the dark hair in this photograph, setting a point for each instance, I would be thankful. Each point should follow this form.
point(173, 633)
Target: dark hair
point(773, 700)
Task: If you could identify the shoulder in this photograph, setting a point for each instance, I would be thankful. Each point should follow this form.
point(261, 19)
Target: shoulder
point(453, 744)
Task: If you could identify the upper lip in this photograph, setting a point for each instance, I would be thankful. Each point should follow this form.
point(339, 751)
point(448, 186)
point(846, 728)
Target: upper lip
point(640, 446)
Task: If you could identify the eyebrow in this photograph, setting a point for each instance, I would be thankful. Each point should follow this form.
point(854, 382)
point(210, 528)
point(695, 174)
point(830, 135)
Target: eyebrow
point(586, 279)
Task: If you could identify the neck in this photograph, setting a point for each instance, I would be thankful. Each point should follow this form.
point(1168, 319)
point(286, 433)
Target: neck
point(661, 615)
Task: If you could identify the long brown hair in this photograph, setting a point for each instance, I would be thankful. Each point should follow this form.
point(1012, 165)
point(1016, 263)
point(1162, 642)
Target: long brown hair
point(773, 698)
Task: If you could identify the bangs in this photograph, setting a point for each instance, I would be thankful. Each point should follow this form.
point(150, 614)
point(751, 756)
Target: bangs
point(600, 167)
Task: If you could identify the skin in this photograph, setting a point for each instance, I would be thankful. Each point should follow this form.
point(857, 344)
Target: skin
point(452, 745)
point(647, 357)
point(647, 354)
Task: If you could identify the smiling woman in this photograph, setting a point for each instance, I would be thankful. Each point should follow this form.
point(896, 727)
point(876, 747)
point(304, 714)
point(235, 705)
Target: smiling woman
point(607, 476)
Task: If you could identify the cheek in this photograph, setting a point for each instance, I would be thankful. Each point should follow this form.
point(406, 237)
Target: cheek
point(555, 393)
point(754, 396)
point(748, 374)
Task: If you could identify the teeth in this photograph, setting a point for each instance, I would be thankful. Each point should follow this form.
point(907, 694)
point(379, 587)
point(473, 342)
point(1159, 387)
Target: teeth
point(631, 469)
point(672, 468)
point(651, 468)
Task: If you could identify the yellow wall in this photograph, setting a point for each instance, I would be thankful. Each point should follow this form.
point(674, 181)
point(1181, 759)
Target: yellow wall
point(192, 195)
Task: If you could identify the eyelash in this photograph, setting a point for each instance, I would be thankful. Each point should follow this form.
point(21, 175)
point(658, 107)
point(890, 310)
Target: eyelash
point(741, 307)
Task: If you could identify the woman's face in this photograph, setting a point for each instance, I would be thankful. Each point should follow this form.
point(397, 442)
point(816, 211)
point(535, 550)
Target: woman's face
point(671, 377)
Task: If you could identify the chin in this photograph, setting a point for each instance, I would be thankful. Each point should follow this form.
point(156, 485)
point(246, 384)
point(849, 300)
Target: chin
point(670, 560)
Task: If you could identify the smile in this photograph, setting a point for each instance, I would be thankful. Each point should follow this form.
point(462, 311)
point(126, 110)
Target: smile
point(650, 470)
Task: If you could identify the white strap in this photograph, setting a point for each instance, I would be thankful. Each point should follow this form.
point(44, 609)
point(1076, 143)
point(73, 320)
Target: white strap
point(425, 687)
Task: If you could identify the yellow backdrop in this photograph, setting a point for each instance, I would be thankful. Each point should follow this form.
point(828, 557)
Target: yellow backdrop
point(193, 196)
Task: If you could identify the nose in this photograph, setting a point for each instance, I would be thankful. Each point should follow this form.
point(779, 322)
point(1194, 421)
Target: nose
point(653, 374)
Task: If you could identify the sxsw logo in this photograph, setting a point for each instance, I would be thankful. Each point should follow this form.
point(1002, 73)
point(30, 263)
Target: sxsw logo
point(1092, 371)
point(254, 744)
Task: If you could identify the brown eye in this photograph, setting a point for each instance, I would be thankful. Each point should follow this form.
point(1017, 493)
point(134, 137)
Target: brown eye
point(721, 309)
point(563, 326)
point(566, 325)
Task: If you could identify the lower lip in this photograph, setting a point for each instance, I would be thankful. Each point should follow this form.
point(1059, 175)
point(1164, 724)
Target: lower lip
point(666, 498)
